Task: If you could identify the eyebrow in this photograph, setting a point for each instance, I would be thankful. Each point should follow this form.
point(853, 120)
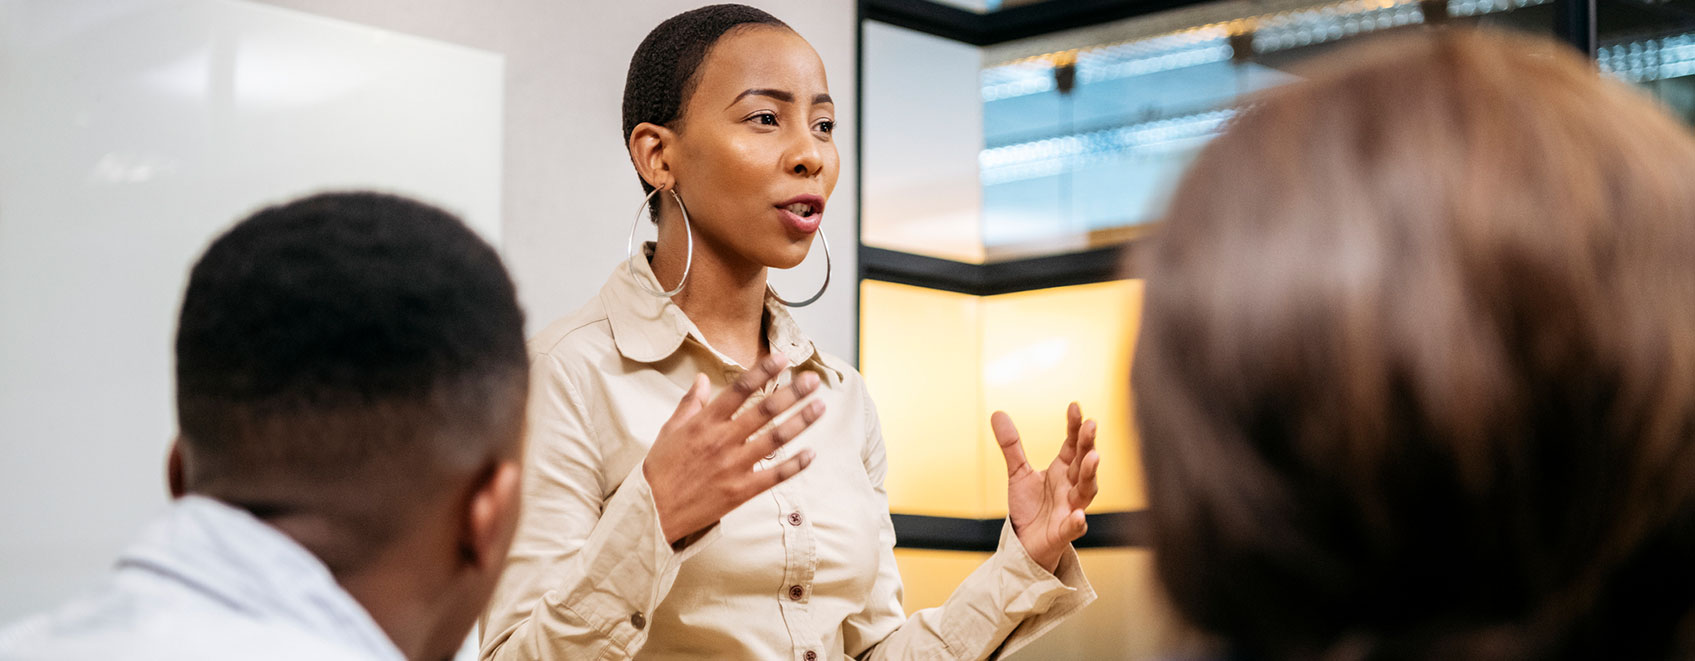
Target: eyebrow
point(779, 95)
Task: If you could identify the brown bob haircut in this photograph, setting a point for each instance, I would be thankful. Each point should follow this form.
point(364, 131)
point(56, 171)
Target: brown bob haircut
point(1416, 377)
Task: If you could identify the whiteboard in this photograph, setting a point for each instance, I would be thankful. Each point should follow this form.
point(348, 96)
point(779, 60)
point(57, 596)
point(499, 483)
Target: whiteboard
point(131, 133)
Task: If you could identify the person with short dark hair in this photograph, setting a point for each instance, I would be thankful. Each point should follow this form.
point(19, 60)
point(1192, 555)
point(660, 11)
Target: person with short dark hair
point(639, 542)
point(351, 385)
point(1416, 377)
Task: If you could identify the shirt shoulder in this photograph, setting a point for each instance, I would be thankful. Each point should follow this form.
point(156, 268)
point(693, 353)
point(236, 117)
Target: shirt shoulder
point(113, 626)
point(583, 334)
point(850, 378)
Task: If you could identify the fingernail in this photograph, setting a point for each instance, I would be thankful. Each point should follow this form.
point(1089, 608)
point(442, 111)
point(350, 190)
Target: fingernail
point(806, 457)
point(817, 408)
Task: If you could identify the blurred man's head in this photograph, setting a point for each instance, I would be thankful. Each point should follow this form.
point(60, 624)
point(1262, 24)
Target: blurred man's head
point(1417, 370)
point(351, 369)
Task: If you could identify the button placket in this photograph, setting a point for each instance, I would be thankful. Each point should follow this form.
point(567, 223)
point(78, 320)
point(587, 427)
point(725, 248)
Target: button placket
point(800, 567)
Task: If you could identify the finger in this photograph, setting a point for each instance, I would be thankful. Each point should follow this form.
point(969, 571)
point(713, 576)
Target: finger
point(1087, 486)
point(776, 437)
point(775, 475)
point(692, 400)
point(1085, 443)
point(1012, 448)
point(750, 421)
point(1074, 526)
point(1073, 418)
point(728, 402)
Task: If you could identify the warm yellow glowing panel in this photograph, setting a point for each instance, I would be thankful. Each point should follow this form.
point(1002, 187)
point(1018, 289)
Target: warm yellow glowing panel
point(938, 363)
point(1046, 348)
point(1130, 619)
point(930, 576)
point(920, 355)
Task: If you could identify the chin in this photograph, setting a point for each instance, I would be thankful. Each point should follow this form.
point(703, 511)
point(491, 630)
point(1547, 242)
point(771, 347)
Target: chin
point(788, 257)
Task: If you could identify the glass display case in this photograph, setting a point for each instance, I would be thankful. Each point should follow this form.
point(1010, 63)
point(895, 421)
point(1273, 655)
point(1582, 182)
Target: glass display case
point(1009, 153)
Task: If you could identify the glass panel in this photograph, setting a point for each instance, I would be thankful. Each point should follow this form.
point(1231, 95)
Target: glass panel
point(1043, 349)
point(930, 576)
point(1651, 46)
point(920, 352)
point(938, 363)
point(1129, 620)
point(987, 6)
point(1087, 133)
point(1076, 139)
point(923, 131)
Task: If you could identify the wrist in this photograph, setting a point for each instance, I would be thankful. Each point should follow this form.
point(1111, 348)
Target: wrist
point(1045, 555)
point(662, 508)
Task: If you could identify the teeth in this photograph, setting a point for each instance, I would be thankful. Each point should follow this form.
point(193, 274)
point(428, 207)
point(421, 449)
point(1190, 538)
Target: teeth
point(800, 209)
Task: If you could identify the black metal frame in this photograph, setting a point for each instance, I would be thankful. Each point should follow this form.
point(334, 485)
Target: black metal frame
point(995, 27)
point(1076, 268)
point(1575, 25)
point(943, 533)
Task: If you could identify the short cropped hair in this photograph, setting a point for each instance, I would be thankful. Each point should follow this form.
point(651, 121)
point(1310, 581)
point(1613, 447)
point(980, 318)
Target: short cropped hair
point(1416, 377)
point(666, 65)
point(348, 339)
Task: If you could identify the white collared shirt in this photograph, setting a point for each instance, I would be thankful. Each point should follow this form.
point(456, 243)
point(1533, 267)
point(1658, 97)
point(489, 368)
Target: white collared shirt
point(208, 581)
point(803, 572)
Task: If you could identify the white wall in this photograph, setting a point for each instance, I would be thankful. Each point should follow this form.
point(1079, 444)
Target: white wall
point(132, 132)
point(570, 193)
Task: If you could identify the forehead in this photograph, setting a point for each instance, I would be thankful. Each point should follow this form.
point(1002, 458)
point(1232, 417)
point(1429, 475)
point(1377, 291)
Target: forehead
point(760, 56)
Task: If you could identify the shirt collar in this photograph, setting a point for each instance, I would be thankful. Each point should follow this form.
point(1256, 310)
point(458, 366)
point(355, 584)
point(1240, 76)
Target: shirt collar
point(251, 568)
point(648, 328)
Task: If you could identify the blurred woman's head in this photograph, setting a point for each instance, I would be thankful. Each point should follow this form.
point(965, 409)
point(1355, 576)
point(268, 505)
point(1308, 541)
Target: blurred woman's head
point(730, 108)
point(1417, 370)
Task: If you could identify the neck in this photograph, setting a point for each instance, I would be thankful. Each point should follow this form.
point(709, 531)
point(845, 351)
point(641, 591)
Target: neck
point(411, 621)
point(386, 583)
point(724, 296)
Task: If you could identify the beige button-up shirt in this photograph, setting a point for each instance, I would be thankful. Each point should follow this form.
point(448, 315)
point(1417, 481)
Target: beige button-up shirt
point(805, 571)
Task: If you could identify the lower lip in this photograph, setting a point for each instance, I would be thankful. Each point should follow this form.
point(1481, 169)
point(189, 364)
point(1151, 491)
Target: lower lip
point(802, 224)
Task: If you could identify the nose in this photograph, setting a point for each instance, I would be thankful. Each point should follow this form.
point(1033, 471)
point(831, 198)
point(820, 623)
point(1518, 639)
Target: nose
point(803, 156)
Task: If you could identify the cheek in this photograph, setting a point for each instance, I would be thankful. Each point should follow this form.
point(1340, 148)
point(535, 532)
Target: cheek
point(832, 168)
point(731, 169)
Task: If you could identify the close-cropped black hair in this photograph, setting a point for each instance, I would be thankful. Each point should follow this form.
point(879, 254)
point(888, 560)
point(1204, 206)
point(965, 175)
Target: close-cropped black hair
point(347, 336)
point(664, 69)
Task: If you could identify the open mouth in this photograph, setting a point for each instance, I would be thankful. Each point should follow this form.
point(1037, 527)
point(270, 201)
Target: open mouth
point(801, 209)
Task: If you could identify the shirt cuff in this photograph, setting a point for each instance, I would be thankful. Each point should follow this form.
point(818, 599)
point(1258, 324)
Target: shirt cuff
point(1034, 599)
point(631, 565)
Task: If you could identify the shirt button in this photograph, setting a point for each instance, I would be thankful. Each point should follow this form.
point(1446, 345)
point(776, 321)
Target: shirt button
point(794, 518)
point(638, 621)
point(811, 655)
point(796, 592)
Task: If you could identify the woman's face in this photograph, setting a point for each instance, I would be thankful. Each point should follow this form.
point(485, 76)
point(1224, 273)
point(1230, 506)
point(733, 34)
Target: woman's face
point(753, 156)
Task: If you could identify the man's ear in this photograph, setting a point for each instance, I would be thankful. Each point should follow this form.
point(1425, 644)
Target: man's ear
point(647, 151)
point(492, 515)
point(173, 469)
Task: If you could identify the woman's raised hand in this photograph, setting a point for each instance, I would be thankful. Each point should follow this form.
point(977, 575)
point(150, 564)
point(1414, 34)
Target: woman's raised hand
point(1046, 506)
point(702, 464)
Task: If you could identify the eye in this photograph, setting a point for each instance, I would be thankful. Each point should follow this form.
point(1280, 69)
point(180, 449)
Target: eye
point(826, 126)
point(764, 119)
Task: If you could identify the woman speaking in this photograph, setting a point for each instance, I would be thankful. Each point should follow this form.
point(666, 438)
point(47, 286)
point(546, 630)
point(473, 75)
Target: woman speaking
point(713, 527)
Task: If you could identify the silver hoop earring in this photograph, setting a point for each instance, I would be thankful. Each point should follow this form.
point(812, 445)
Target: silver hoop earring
point(821, 289)
point(687, 262)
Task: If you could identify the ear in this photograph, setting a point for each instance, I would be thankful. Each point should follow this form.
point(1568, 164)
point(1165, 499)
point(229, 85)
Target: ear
point(493, 516)
point(647, 151)
point(173, 469)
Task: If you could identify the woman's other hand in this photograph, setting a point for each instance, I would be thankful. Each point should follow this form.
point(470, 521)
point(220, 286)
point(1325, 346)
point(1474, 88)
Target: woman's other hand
point(702, 464)
point(1046, 506)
